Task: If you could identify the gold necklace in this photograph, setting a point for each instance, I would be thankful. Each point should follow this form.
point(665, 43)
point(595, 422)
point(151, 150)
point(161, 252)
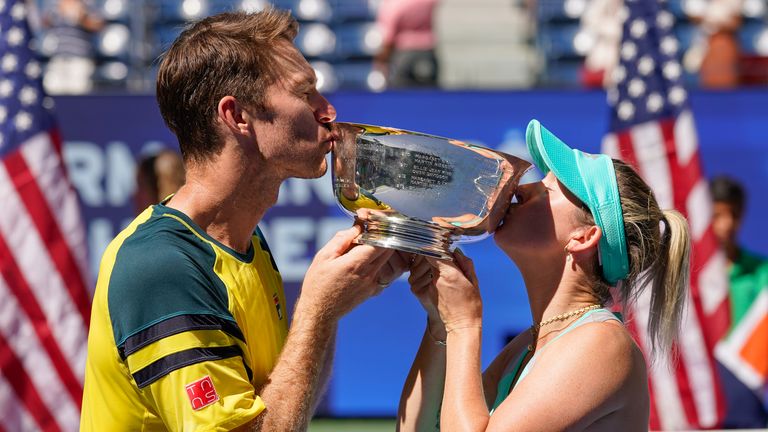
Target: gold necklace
point(563, 316)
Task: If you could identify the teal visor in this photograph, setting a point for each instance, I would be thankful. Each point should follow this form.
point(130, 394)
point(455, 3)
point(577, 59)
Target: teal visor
point(593, 180)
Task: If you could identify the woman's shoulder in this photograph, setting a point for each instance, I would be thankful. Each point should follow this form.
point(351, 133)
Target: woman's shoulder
point(607, 340)
point(602, 351)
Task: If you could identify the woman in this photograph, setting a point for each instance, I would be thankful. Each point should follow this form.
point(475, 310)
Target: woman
point(590, 225)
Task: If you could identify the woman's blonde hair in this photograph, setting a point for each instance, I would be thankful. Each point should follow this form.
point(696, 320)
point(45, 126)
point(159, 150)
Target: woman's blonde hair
point(659, 247)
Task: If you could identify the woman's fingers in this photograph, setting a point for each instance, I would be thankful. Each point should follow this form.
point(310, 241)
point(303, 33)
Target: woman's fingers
point(466, 265)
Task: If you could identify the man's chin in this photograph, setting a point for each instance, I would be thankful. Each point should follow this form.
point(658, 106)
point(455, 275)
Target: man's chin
point(317, 173)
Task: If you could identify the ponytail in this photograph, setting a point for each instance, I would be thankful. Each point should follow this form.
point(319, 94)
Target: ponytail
point(669, 276)
point(659, 248)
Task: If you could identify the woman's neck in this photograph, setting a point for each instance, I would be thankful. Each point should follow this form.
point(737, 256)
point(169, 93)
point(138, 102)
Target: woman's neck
point(552, 293)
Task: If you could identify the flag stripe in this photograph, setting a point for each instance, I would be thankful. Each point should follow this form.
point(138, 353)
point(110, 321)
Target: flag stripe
point(47, 168)
point(43, 218)
point(698, 371)
point(17, 377)
point(654, 128)
point(685, 390)
point(20, 335)
point(44, 296)
point(14, 415)
point(688, 389)
point(40, 274)
point(20, 289)
point(661, 380)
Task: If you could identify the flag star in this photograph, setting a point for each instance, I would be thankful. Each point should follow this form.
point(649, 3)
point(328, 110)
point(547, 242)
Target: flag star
point(613, 95)
point(628, 50)
point(10, 62)
point(638, 28)
point(669, 45)
point(6, 88)
point(655, 102)
point(28, 95)
point(15, 36)
point(3, 114)
point(18, 11)
point(677, 95)
point(2, 139)
point(619, 73)
point(33, 70)
point(645, 65)
point(636, 87)
point(626, 110)
point(623, 14)
point(672, 70)
point(23, 121)
point(665, 20)
point(48, 102)
point(2, 5)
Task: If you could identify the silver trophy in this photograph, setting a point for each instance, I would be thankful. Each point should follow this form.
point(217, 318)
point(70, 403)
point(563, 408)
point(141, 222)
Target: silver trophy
point(420, 193)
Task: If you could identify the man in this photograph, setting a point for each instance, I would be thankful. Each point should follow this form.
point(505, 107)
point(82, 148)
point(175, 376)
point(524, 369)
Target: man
point(748, 275)
point(188, 330)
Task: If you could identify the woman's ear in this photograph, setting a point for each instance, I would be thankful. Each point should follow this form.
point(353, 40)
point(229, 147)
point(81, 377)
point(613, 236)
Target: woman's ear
point(585, 239)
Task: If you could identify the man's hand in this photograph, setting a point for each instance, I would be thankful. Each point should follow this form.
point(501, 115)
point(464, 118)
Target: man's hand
point(343, 274)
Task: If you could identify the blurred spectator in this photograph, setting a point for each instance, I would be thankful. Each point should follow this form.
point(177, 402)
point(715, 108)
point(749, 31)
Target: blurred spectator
point(70, 26)
point(601, 26)
point(748, 275)
point(717, 52)
point(158, 176)
point(407, 57)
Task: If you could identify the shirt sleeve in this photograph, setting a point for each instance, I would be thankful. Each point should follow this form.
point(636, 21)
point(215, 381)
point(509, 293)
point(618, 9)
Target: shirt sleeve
point(182, 347)
point(196, 379)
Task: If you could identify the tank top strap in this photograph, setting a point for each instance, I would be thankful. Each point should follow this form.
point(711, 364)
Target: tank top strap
point(596, 315)
point(506, 385)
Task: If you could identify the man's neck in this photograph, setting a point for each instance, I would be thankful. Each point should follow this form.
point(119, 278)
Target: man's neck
point(732, 251)
point(227, 199)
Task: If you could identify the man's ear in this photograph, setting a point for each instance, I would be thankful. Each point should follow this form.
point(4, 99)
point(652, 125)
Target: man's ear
point(233, 115)
point(585, 239)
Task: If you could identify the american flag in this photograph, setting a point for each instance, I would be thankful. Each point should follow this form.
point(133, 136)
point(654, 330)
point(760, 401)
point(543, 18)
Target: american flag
point(44, 302)
point(652, 128)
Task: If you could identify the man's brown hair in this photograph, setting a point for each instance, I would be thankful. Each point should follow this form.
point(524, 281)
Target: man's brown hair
point(235, 54)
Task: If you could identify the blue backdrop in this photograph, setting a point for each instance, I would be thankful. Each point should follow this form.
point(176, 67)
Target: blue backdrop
point(104, 135)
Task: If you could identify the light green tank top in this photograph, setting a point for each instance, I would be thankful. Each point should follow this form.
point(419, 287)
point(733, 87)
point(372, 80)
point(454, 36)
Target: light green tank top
point(506, 383)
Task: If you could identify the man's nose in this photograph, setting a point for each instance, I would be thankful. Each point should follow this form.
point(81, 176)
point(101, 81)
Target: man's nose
point(325, 112)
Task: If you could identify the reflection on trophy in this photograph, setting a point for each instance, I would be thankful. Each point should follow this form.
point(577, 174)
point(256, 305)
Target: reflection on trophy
point(421, 193)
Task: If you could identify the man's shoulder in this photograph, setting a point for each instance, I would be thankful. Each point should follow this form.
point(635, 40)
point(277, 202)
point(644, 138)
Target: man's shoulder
point(162, 270)
point(751, 262)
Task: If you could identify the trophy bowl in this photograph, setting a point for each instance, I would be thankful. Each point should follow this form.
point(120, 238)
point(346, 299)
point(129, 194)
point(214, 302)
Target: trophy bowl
point(420, 193)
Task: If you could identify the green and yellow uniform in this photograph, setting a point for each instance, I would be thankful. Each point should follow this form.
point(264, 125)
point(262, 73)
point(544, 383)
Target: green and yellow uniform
point(183, 329)
point(748, 277)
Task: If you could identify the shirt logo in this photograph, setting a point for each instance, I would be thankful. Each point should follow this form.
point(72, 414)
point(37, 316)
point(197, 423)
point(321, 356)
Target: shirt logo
point(201, 393)
point(277, 306)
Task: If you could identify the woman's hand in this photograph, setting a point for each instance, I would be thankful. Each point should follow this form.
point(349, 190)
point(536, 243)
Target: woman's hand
point(448, 291)
point(422, 286)
point(458, 294)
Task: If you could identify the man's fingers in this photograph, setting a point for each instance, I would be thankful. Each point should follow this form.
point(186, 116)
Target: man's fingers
point(370, 258)
point(341, 242)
